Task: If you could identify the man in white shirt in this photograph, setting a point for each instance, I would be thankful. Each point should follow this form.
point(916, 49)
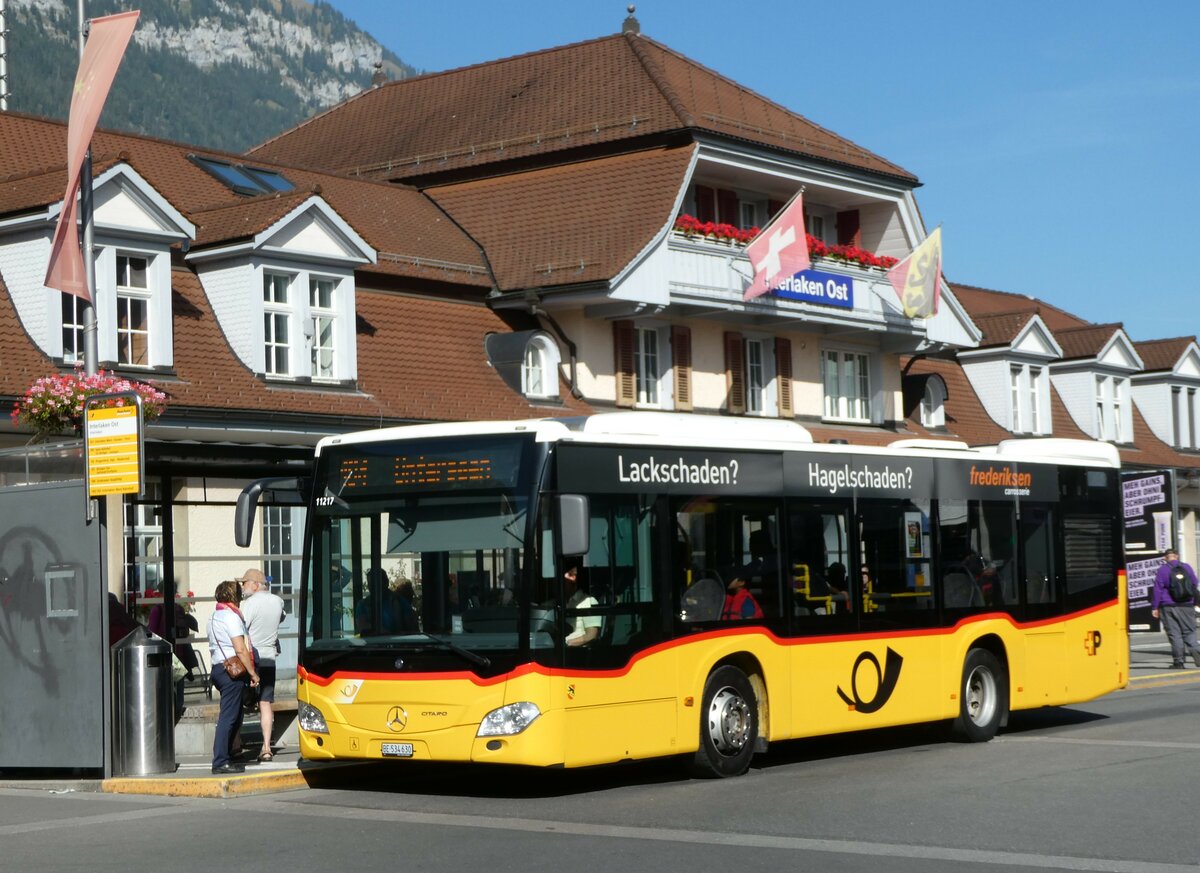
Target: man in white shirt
point(263, 611)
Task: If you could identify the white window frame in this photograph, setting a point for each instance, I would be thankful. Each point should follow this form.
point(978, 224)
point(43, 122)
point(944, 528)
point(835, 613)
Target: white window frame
point(849, 403)
point(539, 368)
point(303, 320)
point(156, 294)
point(1027, 394)
point(933, 403)
point(318, 315)
point(1036, 374)
point(1014, 375)
point(72, 306)
point(1193, 441)
point(1112, 400)
point(649, 382)
point(761, 393)
point(129, 296)
point(276, 313)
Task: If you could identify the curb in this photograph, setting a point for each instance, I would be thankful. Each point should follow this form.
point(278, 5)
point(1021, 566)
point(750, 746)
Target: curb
point(306, 775)
point(230, 786)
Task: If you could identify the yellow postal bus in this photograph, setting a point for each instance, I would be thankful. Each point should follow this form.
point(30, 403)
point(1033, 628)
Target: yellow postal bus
point(631, 585)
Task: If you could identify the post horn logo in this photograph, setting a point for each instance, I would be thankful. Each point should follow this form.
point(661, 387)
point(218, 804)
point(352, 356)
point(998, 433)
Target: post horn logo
point(886, 681)
point(397, 719)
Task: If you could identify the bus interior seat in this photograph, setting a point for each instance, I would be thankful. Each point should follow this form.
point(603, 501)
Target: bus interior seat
point(704, 600)
point(961, 590)
point(490, 619)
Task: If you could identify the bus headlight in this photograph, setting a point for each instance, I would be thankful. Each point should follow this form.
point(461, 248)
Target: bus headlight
point(310, 719)
point(508, 720)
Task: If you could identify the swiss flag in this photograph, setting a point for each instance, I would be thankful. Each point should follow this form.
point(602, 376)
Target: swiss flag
point(780, 250)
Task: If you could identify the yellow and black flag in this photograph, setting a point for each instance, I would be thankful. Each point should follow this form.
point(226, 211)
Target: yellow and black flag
point(918, 278)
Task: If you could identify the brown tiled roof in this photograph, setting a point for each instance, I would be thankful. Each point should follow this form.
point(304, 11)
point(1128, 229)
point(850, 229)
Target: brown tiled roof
point(409, 368)
point(413, 237)
point(1085, 342)
point(535, 237)
point(1149, 451)
point(420, 371)
point(984, 301)
point(1163, 354)
point(966, 419)
point(20, 360)
point(1000, 329)
point(599, 92)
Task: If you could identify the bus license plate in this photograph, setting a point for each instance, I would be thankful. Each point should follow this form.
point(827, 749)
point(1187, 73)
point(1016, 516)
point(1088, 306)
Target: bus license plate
point(397, 750)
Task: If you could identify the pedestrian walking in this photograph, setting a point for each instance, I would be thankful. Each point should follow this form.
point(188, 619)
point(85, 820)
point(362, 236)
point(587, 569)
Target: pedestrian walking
point(1174, 601)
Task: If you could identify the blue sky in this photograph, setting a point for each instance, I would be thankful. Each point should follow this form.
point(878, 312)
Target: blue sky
point(1058, 143)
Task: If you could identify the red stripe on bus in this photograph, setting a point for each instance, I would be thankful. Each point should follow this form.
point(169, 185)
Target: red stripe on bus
point(526, 669)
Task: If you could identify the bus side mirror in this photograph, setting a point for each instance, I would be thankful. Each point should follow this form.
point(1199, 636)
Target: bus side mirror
point(290, 490)
point(574, 524)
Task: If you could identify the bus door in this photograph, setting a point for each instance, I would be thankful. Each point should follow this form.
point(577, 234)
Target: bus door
point(897, 674)
point(619, 700)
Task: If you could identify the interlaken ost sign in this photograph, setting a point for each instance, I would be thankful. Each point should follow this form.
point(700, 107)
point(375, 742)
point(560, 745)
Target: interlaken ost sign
point(113, 444)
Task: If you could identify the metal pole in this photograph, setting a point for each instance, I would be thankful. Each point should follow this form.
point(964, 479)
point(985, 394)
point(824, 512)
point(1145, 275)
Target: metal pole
point(91, 353)
point(3, 56)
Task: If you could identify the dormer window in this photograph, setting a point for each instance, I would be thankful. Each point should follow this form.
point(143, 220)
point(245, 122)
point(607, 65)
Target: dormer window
point(539, 369)
point(133, 311)
point(1111, 402)
point(933, 403)
point(323, 311)
point(277, 319)
point(1028, 395)
point(293, 320)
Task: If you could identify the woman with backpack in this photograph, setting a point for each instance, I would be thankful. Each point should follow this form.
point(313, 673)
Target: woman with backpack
point(1174, 601)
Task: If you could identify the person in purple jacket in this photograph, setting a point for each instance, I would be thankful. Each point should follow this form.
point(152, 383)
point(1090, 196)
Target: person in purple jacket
point(1178, 616)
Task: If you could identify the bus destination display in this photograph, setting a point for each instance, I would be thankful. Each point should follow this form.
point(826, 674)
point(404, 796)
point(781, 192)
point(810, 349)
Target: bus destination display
point(422, 469)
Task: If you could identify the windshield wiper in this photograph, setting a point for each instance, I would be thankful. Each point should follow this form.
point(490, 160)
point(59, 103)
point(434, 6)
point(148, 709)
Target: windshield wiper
point(465, 654)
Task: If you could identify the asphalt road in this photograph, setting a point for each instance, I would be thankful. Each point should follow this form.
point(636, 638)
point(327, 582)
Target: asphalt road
point(1109, 785)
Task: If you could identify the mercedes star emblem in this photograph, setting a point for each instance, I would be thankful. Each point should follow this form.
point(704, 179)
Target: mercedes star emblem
point(397, 719)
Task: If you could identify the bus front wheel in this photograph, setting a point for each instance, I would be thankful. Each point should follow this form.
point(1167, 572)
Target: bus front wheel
point(983, 698)
point(728, 724)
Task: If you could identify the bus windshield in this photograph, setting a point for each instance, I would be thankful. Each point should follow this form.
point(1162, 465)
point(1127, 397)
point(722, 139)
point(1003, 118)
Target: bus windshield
point(420, 546)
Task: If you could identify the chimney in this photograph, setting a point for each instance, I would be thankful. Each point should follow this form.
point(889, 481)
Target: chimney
point(630, 25)
point(379, 77)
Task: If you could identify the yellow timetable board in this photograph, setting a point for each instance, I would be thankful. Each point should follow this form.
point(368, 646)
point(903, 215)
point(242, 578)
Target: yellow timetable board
point(114, 461)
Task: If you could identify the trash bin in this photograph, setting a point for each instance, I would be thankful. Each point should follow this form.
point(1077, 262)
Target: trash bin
point(143, 706)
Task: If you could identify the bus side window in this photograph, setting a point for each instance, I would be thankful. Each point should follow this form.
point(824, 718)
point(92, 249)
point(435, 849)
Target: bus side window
point(818, 562)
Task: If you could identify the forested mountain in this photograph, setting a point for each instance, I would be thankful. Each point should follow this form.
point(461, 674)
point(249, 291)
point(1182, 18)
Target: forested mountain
point(222, 73)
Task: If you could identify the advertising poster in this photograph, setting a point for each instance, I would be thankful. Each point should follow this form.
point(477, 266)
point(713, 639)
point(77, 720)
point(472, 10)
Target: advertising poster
point(1150, 527)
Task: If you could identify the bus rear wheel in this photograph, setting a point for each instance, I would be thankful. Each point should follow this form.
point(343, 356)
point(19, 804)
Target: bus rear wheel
point(983, 698)
point(728, 725)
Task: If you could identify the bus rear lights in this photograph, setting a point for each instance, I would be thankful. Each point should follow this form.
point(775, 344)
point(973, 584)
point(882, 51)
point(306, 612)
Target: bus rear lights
point(311, 719)
point(508, 720)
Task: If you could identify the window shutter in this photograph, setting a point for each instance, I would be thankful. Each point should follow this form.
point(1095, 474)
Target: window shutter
point(706, 203)
point(727, 207)
point(783, 376)
point(849, 230)
point(735, 372)
point(624, 337)
point(681, 365)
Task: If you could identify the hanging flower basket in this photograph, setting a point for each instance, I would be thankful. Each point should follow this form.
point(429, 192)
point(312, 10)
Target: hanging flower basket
point(54, 404)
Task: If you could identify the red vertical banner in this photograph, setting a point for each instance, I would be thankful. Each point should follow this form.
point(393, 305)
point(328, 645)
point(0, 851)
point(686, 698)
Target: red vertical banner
point(107, 39)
